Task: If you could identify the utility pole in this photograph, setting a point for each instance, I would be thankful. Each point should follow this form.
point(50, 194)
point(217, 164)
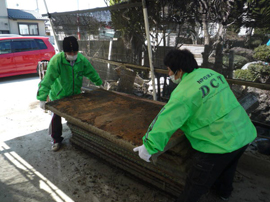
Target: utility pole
point(78, 23)
point(54, 35)
point(37, 6)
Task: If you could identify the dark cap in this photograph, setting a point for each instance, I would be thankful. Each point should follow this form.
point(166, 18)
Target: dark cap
point(70, 44)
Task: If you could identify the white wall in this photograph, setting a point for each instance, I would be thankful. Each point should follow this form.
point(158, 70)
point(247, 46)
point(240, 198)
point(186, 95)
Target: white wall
point(4, 26)
point(14, 29)
point(3, 8)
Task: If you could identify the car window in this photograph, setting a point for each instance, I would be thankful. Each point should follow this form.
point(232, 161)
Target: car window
point(5, 47)
point(24, 45)
point(41, 44)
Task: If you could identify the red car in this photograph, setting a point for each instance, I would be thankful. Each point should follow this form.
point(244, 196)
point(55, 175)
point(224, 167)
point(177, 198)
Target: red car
point(20, 55)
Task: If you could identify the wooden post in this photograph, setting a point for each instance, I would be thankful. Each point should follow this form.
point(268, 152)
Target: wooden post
point(205, 55)
point(126, 81)
point(218, 66)
point(231, 64)
point(158, 85)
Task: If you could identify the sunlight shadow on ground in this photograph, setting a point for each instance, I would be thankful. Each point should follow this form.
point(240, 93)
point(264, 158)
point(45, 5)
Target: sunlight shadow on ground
point(18, 176)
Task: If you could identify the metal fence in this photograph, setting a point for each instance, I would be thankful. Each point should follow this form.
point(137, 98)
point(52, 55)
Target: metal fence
point(114, 40)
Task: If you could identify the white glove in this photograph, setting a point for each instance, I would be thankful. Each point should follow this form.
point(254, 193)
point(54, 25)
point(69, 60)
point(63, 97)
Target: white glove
point(143, 153)
point(42, 104)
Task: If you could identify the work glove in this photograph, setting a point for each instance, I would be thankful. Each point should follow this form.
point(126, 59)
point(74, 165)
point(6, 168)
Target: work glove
point(143, 153)
point(42, 104)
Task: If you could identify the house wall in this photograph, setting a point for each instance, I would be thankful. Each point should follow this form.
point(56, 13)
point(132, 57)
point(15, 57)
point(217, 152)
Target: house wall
point(4, 26)
point(14, 29)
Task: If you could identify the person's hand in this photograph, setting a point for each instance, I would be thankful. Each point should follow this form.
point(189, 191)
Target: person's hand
point(143, 153)
point(42, 104)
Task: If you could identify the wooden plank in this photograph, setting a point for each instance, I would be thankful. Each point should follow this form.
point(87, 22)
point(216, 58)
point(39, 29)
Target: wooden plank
point(111, 124)
point(262, 86)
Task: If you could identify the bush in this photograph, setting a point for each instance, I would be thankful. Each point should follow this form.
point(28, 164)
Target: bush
point(262, 53)
point(256, 40)
point(239, 61)
point(256, 43)
point(243, 74)
point(261, 72)
point(254, 72)
point(248, 53)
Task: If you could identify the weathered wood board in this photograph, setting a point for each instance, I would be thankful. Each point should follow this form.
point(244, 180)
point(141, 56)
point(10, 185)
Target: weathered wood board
point(111, 124)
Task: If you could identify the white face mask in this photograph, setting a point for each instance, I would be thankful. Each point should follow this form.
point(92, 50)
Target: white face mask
point(71, 57)
point(176, 81)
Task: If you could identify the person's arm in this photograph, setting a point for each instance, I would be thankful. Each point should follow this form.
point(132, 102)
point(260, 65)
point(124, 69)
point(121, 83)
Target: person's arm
point(91, 73)
point(172, 116)
point(44, 86)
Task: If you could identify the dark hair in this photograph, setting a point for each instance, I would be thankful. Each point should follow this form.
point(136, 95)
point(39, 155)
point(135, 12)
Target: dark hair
point(70, 44)
point(180, 59)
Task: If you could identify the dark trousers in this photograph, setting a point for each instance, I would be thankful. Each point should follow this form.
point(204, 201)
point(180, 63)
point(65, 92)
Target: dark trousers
point(56, 129)
point(211, 170)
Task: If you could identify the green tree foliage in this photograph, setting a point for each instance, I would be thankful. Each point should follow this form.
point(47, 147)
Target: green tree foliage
point(183, 16)
point(251, 13)
point(247, 53)
point(114, 2)
point(239, 61)
point(262, 31)
point(255, 72)
point(164, 16)
point(257, 14)
point(243, 74)
point(262, 53)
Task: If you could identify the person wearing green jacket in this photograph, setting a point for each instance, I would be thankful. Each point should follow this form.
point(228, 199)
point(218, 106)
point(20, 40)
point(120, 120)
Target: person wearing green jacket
point(63, 78)
point(216, 125)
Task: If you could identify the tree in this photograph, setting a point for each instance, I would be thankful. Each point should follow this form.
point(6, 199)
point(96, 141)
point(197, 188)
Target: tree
point(262, 53)
point(248, 13)
point(182, 17)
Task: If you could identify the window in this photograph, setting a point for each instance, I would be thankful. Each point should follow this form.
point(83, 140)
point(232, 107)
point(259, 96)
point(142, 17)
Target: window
point(41, 44)
point(4, 32)
point(5, 47)
point(28, 29)
point(24, 45)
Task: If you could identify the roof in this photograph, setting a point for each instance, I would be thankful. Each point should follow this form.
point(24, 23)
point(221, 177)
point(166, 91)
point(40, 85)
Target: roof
point(24, 14)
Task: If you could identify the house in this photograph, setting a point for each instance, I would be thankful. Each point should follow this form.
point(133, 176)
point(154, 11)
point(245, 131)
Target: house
point(22, 22)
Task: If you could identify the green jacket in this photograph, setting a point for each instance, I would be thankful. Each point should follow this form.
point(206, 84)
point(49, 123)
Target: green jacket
point(62, 79)
point(206, 110)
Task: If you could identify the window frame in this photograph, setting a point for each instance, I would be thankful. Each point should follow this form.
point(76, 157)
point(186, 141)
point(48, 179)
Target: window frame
point(21, 40)
point(42, 46)
point(10, 43)
point(28, 25)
